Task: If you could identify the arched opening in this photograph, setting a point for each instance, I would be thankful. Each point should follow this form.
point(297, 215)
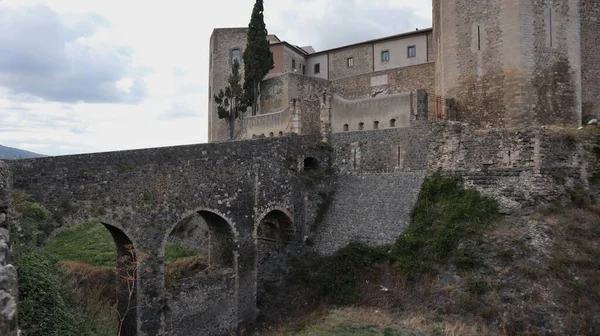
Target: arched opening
point(200, 275)
point(375, 124)
point(275, 236)
point(271, 134)
point(361, 126)
point(393, 123)
point(310, 163)
point(102, 270)
point(346, 128)
point(128, 275)
point(280, 133)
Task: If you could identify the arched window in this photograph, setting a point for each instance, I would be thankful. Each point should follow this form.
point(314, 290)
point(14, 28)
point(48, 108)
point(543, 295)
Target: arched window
point(236, 54)
point(375, 124)
point(346, 128)
point(280, 133)
point(361, 126)
point(271, 135)
point(393, 123)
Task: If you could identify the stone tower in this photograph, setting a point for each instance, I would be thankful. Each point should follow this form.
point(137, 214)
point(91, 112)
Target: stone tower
point(590, 56)
point(510, 63)
point(225, 45)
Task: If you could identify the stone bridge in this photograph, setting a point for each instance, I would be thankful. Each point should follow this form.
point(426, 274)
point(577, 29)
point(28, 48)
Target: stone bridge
point(142, 195)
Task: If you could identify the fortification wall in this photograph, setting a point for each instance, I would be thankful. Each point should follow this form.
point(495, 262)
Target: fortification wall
point(371, 208)
point(590, 57)
point(8, 274)
point(519, 168)
point(399, 80)
point(277, 92)
point(271, 124)
point(380, 173)
point(383, 111)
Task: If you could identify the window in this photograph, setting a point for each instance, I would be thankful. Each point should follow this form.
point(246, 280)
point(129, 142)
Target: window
point(271, 135)
point(385, 56)
point(412, 51)
point(236, 55)
point(350, 62)
point(346, 128)
point(375, 124)
point(361, 126)
point(294, 64)
point(393, 123)
point(317, 68)
point(280, 133)
point(303, 69)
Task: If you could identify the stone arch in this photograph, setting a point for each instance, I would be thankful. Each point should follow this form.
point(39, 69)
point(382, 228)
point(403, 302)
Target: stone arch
point(198, 299)
point(270, 211)
point(274, 233)
point(127, 263)
point(127, 278)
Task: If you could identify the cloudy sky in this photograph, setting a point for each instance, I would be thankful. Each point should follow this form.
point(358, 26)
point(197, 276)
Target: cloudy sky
point(80, 76)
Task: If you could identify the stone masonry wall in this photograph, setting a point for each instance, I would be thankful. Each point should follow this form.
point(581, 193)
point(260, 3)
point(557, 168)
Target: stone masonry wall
point(278, 91)
point(371, 112)
point(399, 80)
point(8, 273)
point(590, 57)
point(380, 173)
point(371, 208)
point(519, 168)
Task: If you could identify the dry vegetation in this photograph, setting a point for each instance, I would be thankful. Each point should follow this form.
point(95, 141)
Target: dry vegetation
point(519, 275)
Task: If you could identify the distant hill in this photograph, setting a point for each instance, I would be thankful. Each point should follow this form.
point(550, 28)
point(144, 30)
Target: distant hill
point(9, 153)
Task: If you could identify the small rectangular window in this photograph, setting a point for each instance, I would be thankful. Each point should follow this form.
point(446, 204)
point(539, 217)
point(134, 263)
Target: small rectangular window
point(412, 51)
point(385, 56)
point(317, 68)
point(303, 69)
point(294, 64)
point(350, 62)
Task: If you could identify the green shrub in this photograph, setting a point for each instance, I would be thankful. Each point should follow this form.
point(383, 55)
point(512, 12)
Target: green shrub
point(445, 215)
point(45, 308)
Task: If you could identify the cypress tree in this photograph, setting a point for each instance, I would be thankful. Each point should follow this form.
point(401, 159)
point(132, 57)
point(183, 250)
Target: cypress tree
point(258, 58)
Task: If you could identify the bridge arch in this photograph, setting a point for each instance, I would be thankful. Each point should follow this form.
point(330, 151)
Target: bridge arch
point(198, 295)
point(127, 264)
point(274, 231)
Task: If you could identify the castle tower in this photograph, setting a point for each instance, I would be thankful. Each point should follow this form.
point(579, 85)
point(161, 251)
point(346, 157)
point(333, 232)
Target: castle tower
point(226, 45)
point(510, 63)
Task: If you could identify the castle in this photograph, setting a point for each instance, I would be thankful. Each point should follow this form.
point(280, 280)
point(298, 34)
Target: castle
point(494, 63)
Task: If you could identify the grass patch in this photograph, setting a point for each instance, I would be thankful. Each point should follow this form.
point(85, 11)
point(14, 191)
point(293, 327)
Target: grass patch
point(175, 251)
point(92, 244)
point(88, 243)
